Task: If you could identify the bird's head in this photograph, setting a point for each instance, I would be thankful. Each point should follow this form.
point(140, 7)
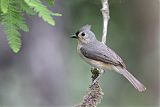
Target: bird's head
point(85, 35)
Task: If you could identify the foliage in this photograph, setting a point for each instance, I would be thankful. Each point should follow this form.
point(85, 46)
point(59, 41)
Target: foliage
point(12, 18)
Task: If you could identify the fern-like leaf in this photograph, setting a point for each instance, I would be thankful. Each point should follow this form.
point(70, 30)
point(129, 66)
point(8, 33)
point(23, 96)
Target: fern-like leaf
point(56, 14)
point(41, 10)
point(12, 22)
point(12, 19)
point(20, 22)
point(4, 5)
point(13, 36)
point(26, 8)
point(50, 2)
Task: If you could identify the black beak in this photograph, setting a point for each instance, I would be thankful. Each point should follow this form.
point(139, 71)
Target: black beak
point(73, 36)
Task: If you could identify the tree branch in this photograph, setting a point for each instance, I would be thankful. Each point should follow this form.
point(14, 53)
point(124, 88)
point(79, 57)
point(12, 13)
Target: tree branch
point(106, 17)
point(94, 94)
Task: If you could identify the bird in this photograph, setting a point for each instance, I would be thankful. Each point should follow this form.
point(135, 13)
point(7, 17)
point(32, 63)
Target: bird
point(100, 56)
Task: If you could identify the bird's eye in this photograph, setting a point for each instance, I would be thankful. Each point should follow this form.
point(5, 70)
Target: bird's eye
point(83, 34)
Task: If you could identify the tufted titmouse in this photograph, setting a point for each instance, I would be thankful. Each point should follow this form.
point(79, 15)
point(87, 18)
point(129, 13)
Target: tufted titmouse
point(102, 57)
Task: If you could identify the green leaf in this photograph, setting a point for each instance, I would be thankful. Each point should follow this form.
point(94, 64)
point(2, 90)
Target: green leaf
point(13, 21)
point(26, 8)
point(21, 24)
point(50, 2)
point(13, 36)
point(56, 14)
point(4, 5)
point(42, 10)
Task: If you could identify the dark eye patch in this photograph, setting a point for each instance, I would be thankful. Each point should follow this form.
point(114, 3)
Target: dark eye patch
point(83, 34)
point(77, 33)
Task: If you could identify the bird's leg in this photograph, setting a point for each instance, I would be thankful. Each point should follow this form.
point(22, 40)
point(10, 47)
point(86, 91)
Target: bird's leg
point(96, 74)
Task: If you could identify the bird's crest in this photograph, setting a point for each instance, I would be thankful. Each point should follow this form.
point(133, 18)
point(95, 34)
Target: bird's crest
point(86, 27)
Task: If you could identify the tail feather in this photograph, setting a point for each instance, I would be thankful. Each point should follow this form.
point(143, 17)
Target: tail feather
point(138, 85)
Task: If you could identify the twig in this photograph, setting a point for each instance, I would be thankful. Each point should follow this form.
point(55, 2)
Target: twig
point(105, 13)
point(94, 94)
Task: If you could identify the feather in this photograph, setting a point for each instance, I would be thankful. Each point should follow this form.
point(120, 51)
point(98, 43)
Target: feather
point(138, 85)
point(85, 27)
point(100, 52)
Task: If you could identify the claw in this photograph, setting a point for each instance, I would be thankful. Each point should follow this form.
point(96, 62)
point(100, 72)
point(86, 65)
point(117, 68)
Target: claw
point(93, 82)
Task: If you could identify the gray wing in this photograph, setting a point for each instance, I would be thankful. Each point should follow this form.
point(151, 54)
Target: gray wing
point(101, 52)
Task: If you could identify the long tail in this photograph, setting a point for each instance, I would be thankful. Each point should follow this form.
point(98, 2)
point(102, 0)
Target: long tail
point(138, 85)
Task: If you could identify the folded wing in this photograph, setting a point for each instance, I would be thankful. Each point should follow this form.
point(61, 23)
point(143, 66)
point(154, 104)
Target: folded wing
point(102, 53)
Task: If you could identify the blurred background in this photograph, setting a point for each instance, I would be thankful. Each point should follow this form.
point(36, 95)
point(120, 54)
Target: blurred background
point(48, 71)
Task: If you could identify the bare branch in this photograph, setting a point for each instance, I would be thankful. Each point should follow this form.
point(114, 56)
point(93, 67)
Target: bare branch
point(105, 13)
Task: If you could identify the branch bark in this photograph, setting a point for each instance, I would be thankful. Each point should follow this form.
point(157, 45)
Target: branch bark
point(94, 94)
point(106, 17)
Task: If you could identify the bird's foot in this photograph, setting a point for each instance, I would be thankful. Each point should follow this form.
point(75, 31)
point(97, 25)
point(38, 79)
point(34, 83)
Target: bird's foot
point(98, 77)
